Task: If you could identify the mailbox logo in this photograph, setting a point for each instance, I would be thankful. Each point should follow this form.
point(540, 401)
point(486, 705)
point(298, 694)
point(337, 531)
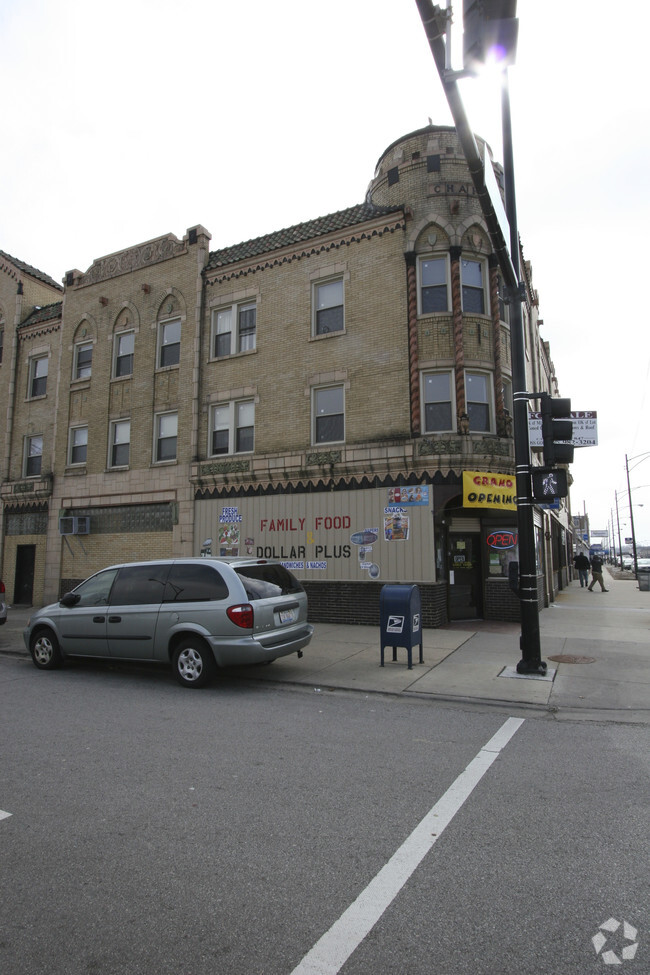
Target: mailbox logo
point(416, 622)
point(395, 624)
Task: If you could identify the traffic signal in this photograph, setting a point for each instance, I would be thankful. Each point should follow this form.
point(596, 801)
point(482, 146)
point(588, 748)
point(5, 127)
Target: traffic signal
point(490, 30)
point(554, 431)
point(549, 485)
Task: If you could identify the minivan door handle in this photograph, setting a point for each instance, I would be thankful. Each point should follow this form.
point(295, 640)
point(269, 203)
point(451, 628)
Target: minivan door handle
point(99, 619)
point(114, 619)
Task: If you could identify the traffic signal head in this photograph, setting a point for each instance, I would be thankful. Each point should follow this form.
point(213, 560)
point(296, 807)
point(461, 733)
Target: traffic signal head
point(554, 431)
point(490, 30)
point(549, 485)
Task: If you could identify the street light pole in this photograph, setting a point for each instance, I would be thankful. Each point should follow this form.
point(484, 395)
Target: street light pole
point(530, 644)
point(435, 22)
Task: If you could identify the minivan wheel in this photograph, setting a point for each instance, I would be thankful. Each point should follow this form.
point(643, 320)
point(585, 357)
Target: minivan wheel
point(45, 650)
point(193, 663)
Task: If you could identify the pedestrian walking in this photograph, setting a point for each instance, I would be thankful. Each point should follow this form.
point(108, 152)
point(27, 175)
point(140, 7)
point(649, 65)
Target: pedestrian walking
point(597, 573)
point(581, 563)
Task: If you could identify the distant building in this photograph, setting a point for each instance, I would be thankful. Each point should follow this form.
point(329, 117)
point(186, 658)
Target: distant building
point(336, 394)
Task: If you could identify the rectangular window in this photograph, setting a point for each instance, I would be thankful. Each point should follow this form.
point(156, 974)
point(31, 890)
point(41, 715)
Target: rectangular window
point(120, 443)
point(170, 343)
point(507, 396)
point(473, 286)
point(329, 415)
point(433, 285)
point(328, 307)
point(233, 428)
point(244, 427)
point(83, 358)
point(78, 445)
point(234, 329)
point(124, 345)
point(504, 307)
point(166, 436)
point(38, 376)
point(478, 401)
point(438, 402)
point(33, 456)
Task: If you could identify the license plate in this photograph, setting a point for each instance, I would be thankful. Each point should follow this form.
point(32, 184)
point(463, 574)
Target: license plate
point(287, 616)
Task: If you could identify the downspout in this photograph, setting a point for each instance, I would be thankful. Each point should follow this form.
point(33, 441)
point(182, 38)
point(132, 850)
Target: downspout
point(11, 408)
point(414, 379)
point(493, 265)
point(459, 351)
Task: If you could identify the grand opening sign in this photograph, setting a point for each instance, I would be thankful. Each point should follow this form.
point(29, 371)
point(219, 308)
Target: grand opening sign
point(484, 489)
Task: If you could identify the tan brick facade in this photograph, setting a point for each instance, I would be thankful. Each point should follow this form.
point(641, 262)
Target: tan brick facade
point(287, 365)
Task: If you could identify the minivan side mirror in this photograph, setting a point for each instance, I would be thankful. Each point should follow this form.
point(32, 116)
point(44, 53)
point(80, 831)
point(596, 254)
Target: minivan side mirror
point(70, 599)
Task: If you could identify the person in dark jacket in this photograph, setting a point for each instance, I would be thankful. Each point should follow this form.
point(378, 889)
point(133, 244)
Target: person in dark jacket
point(597, 573)
point(581, 563)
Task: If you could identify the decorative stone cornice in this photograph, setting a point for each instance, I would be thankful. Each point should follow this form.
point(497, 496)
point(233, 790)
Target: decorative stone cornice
point(132, 259)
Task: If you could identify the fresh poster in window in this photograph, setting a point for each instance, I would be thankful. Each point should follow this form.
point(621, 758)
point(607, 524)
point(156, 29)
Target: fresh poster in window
point(229, 539)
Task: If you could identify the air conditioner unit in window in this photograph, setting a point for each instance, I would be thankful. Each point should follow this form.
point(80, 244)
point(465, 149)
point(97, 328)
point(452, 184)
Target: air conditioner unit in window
point(70, 525)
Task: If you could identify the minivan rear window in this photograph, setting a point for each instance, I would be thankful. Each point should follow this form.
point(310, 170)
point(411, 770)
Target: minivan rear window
point(188, 583)
point(263, 581)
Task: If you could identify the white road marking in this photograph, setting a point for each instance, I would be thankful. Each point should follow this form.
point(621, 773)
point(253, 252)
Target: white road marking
point(4, 815)
point(331, 952)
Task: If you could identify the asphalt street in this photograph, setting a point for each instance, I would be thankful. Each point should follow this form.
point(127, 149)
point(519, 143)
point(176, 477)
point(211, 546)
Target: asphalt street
point(152, 829)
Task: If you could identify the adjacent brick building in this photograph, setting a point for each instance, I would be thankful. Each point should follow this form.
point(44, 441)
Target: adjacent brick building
point(314, 395)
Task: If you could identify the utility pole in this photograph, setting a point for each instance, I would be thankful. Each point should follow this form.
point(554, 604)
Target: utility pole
point(629, 495)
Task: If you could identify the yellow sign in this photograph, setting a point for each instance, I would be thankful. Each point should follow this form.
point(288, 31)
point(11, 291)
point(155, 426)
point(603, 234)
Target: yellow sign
point(482, 489)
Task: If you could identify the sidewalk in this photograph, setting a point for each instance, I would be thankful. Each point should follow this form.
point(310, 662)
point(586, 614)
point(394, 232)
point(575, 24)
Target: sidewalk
point(596, 645)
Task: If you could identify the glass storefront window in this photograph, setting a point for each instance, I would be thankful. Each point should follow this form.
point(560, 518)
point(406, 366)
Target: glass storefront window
point(502, 548)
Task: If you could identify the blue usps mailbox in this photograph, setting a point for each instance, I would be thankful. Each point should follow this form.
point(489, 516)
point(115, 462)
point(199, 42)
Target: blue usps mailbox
point(401, 620)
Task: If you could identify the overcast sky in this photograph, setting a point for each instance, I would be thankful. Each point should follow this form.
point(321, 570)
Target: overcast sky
point(125, 121)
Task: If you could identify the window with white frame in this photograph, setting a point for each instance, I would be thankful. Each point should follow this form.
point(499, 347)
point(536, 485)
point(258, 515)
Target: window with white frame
point(234, 329)
point(78, 445)
point(328, 307)
point(169, 353)
point(479, 401)
point(166, 436)
point(123, 350)
point(328, 410)
point(472, 275)
point(83, 358)
point(438, 402)
point(504, 307)
point(120, 443)
point(434, 290)
point(507, 396)
point(33, 456)
point(38, 367)
point(233, 428)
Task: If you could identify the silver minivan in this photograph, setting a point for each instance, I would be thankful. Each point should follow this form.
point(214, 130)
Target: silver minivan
point(197, 614)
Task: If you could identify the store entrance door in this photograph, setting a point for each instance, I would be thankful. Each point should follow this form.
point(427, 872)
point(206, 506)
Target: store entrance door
point(24, 581)
point(465, 577)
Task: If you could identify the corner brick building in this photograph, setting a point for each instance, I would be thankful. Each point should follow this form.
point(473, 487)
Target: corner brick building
point(327, 394)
